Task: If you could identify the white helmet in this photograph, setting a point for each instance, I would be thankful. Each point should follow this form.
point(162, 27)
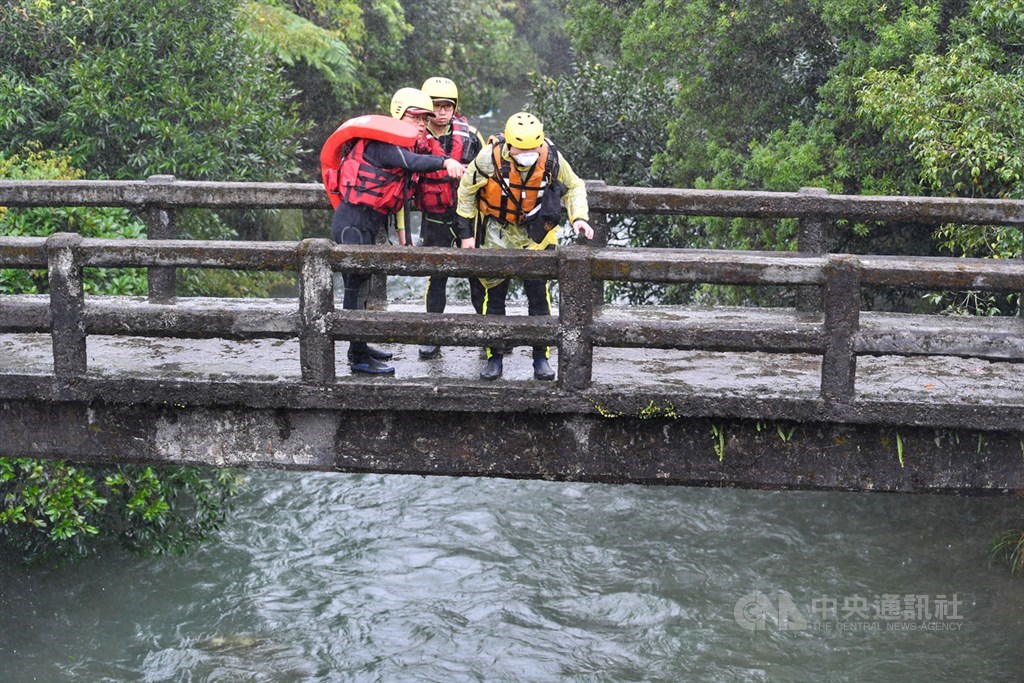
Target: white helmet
point(440, 88)
point(411, 100)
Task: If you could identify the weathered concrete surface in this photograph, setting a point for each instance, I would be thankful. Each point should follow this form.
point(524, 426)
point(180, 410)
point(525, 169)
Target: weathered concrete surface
point(651, 372)
point(649, 417)
point(654, 450)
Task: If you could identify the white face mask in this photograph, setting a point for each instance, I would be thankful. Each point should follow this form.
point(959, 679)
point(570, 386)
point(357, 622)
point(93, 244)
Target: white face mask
point(527, 158)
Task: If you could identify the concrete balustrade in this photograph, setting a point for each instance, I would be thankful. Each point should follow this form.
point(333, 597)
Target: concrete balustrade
point(827, 324)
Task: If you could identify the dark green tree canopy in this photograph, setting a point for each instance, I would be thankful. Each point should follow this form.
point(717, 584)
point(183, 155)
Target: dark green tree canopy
point(855, 96)
point(131, 89)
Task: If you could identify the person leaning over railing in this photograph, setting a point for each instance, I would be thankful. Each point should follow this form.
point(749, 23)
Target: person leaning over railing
point(517, 185)
point(436, 192)
point(374, 178)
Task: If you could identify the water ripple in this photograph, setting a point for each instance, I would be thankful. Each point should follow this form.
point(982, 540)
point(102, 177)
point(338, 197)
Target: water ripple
point(328, 577)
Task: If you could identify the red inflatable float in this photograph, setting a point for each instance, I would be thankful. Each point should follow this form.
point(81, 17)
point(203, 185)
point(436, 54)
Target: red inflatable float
point(371, 127)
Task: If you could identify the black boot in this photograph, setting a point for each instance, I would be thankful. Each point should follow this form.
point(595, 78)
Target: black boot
point(429, 350)
point(542, 370)
point(379, 354)
point(492, 370)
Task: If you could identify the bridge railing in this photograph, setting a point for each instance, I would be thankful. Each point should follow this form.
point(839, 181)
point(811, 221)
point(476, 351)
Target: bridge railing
point(578, 328)
point(835, 333)
point(159, 198)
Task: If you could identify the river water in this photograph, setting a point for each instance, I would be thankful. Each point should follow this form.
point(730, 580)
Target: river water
point(339, 577)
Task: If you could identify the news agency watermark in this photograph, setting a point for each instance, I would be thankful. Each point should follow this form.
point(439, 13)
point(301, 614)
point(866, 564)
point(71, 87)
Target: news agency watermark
point(758, 611)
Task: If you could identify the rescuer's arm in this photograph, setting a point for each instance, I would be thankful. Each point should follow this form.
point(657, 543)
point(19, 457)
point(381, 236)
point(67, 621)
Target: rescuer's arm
point(477, 173)
point(575, 198)
point(383, 155)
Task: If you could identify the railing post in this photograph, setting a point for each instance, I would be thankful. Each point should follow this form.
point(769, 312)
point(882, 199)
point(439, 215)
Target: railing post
point(67, 306)
point(600, 225)
point(599, 222)
point(161, 225)
point(316, 304)
point(812, 239)
point(842, 320)
point(575, 315)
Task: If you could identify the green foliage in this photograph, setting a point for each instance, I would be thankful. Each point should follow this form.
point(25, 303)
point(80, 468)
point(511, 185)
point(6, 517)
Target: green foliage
point(718, 438)
point(132, 89)
point(743, 69)
point(473, 42)
point(596, 26)
point(958, 113)
point(55, 510)
point(125, 90)
point(488, 48)
point(854, 96)
point(292, 38)
point(608, 122)
point(1009, 547)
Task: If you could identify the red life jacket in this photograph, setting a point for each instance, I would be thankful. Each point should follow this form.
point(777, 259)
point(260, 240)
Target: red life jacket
point(362, 183)
point(371, 127)
point(435, 191)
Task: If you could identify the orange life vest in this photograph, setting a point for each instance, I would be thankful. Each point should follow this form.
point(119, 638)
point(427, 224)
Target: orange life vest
point(510, 197)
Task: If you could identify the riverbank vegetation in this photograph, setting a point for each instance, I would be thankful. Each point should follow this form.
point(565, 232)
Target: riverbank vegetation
point(1009, 547)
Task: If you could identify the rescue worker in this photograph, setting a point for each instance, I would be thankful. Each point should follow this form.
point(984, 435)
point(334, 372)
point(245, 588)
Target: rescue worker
point(516, 185)
point(436, 192)
point(374, 186)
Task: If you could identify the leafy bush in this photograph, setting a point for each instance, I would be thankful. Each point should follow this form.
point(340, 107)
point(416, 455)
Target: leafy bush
point(56, 510)
point(53, 510)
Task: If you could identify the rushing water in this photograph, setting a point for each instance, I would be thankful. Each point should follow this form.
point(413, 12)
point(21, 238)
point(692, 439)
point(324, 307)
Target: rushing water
point(332, 577)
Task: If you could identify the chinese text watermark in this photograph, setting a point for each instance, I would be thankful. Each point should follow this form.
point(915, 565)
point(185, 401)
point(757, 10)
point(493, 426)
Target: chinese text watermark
point(882, 612)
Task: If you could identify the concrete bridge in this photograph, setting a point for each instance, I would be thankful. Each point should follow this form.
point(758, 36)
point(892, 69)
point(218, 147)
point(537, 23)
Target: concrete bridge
point(822, 395)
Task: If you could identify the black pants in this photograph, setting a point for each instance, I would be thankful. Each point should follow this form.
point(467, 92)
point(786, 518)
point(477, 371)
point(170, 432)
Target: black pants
point(538, 303)
point(356, 224)
point(438, 230)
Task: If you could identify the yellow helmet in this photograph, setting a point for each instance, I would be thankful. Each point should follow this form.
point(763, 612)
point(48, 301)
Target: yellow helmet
point(524, 130)
point(440, 88)
point(411, 100)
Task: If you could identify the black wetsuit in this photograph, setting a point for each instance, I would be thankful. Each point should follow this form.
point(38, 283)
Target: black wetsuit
point(360, 224)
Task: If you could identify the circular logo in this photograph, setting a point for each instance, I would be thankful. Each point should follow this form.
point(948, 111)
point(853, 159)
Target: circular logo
point(752, 610)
